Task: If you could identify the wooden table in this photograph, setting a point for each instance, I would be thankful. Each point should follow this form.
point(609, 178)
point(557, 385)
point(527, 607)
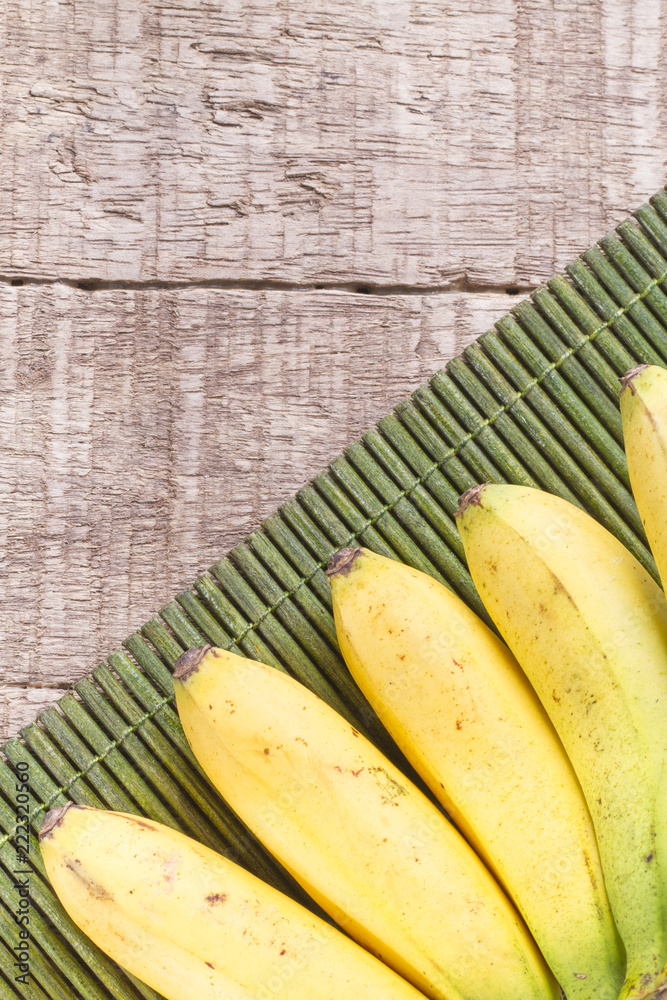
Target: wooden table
point(234, 234)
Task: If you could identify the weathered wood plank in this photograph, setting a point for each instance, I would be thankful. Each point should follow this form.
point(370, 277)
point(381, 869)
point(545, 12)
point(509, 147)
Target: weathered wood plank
point(400, 143)
point(143, 433)
point(22, 703)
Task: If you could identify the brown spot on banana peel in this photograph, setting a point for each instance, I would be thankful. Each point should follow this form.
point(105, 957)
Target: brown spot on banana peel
point(640, 988)
point(146, 826)
point(390, 788)
point(341, 563)
point(188, 662)
point(560, 588)
point(627, 379)
point(96, 890)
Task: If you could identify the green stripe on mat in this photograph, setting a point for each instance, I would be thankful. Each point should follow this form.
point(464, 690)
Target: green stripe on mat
point(534, 401)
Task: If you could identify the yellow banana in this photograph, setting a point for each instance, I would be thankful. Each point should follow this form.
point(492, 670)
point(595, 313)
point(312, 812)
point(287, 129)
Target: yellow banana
point(360, 838)
point(193, 925)
point(458, 705)
point(644, 413)
point(589, 627)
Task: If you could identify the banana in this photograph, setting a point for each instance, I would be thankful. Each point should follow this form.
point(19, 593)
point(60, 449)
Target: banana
point(589, 627)
point(194, 925)
point(366, 844)
point(456, 702)
point(644, 413)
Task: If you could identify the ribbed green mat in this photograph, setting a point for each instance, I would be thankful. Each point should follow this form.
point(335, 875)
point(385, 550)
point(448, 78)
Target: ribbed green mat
point(534, 401)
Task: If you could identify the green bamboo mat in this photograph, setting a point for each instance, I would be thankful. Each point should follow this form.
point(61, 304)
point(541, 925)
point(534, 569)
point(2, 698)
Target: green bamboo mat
point(533, 401)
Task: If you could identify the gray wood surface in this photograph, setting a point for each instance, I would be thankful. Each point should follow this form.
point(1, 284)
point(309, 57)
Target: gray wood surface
point(150, 430)
point(233, 235)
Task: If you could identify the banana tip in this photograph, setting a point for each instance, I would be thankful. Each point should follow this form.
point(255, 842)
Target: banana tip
point(188, 662)
point(53, 818)
point(627, 379)
point(472, 496)
point(342, 561)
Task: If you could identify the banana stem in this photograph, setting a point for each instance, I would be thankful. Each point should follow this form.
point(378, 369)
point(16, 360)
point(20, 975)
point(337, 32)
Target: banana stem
point(53, 819)
point(627, 379)
point(189, 661)
point(342, 561)
point(472, 496)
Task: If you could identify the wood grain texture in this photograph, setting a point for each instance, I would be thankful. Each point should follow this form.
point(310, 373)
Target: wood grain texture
point(142, 433)
point(395, 142)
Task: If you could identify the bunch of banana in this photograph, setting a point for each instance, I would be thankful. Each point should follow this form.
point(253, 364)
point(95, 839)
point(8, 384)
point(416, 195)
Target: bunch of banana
point(561, 787)
point(367, 845)
point(458, 705)
point(589, 627)
point(193, 925)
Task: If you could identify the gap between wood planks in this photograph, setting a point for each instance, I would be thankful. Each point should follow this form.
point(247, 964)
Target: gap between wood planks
point(456, 286)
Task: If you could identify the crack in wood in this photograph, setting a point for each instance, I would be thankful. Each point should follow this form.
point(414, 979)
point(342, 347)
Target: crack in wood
point(361, 287)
